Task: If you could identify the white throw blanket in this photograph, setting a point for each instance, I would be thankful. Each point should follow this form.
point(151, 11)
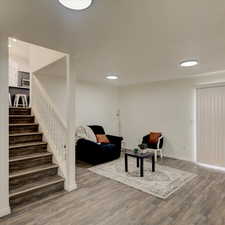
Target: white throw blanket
point(85, 132)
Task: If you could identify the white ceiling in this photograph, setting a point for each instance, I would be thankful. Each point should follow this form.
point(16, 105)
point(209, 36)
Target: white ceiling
point(141, 40)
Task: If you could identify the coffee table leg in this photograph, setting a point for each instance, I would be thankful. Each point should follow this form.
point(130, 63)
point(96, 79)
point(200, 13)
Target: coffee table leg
point(126, 163)
point(153, 163)
point(137, 162)
point(142, 167)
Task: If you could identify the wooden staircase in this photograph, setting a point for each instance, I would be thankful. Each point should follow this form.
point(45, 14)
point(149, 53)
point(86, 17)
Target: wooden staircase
point(32, 175)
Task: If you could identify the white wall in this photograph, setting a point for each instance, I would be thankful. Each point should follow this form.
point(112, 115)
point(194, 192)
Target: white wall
point(56, 89)
point(4, 137)
point(55, 86)
point(97, 104)
point(41, 57)
point(17, 64)
point(166, 106)
point(18, 60)
point(53, 79)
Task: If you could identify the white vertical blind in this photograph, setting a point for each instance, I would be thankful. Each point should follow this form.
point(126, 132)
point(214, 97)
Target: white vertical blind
point(211, 126)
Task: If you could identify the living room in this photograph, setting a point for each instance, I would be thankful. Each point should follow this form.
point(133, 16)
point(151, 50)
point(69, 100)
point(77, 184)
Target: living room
point(143, 108)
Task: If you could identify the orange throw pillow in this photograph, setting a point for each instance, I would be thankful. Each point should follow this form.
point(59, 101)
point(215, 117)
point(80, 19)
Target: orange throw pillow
point(154, 137)
point(101, 138)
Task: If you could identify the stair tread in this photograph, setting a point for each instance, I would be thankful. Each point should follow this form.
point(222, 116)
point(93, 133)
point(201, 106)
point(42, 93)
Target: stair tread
point(22, 124)
point(27, 144)
point(24, 134)
point(19, 107)
point(44, 182)
point(30, 156)
point(35, 169)
point(19, 116)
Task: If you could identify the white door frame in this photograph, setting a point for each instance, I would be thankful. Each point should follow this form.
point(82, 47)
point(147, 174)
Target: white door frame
point(4, 137)
point(70, 184)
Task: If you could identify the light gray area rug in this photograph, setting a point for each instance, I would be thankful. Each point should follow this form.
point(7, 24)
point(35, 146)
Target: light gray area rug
point(162, 183)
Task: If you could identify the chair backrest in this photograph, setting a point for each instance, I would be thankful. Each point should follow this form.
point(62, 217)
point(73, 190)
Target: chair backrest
point(97, 129)
point(154, 137)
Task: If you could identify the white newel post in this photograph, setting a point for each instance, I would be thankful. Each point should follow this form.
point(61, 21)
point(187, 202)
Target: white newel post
point(70, 184)
point(4, 137)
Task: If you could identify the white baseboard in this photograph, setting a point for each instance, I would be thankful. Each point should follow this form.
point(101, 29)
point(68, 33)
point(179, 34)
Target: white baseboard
point(179, 158)
point(5, 211)
point(211, 166)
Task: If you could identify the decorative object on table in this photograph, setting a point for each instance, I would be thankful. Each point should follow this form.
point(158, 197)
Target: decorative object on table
point(154, 142)
point(143, 148)
point(162, 184)
point(135, 150)
point(139, 157)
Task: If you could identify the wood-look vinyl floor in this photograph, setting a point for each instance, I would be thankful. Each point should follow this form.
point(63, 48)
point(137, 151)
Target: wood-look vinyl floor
point(101, 201)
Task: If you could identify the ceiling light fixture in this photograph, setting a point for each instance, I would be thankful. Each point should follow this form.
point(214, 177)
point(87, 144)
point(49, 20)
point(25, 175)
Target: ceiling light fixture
point(14, 39)
point(189, 63)
point(112, 77)
point(76, 4)
point(10, 46)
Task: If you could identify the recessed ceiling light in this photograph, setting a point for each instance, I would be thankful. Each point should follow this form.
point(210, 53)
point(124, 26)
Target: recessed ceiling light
point(112, 77)
point(189, 63)
point(76, 4)
point(14, 39)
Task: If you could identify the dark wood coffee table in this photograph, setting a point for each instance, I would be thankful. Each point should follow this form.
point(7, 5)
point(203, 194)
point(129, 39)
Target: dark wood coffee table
point(140, 157)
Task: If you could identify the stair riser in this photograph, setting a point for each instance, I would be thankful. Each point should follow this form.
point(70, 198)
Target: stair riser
point(25, 139)
point(27, 150)
point(29, 163)
point(19, 120)
point(30, 178)
point(19, 111)
point(23, 129)
point(36, 195)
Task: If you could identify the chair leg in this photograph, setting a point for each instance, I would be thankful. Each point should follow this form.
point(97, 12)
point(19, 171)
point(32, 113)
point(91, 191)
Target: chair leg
point(161, 153)
point(23, 102)
point(26, 103)
point(10, 101)
point(16, 101)
point(156, 155)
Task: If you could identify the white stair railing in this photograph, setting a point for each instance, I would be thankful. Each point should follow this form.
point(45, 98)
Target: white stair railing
point(51, 123)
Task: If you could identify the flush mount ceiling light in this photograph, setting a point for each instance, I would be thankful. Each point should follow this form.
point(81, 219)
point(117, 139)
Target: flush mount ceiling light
point(189, 63)
point(76, 4)
point(112, 76)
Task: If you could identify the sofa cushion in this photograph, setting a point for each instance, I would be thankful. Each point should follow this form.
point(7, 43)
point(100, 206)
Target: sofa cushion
point(154, 137)
point(101, 138)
